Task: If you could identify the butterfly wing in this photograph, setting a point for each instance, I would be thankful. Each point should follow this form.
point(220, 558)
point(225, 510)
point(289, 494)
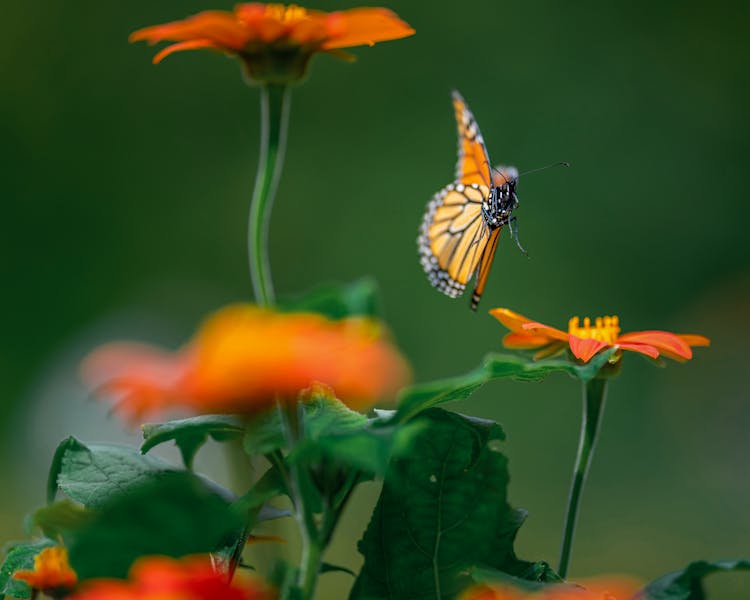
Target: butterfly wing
point(485, 262)
point(456, 242)
point(473, 163)
point(454, 236)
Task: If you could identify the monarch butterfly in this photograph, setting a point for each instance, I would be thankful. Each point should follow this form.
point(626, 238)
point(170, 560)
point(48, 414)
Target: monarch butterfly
point(462, 222)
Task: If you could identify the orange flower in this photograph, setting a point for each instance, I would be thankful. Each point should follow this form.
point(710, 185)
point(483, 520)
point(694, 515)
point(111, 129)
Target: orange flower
point(587, 340)
point(52, 573)
point(275, 42)
point(162, 578)
point(610, 588)
point(243, 358)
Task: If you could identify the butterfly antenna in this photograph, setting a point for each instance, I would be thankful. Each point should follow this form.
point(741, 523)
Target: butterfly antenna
point(557, 164)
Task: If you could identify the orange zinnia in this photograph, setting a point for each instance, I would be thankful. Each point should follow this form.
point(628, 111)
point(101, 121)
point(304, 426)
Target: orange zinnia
point(244, 358)
point(162, 578)
point(52, 572)
point(275, 42)
point(587, 340)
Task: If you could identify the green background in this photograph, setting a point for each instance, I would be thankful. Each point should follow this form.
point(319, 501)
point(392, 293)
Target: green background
point(125, 190)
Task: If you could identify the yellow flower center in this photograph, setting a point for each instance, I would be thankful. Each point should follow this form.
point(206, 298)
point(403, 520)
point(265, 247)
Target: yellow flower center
point(605, 329)
point(285, 14)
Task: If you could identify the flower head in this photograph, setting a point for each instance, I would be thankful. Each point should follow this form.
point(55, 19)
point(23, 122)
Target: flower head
point(275, 42)
point(162, 578)
point(243, 358)
point(587, 339)
point(52, 572)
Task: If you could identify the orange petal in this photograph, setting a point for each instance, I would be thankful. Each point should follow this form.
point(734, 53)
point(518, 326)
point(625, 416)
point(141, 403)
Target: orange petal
point(189, 45)
point(545, 330)
point(221, 27)
point(524, 341)
point(365, 26)
point(668, 344)
point(512, 320)
point(585, 349)
point(640, 348)
point(692, 339)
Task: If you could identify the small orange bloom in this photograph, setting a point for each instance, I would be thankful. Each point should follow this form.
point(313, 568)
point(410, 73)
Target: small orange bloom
point(587, 340)
point(162, 578)
point(610, 588)
point(244, 358)
point(51, 573)
point(275, 42)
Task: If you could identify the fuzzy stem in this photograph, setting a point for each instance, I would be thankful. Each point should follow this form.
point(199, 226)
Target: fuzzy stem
point(594, 394)
point(275, 101)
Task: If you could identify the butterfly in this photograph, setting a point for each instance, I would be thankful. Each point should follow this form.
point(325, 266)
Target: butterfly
point(462, 222)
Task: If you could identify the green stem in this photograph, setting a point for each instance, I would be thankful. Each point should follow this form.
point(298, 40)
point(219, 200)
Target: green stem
point(594, 393)
point(309, 534)
point(274, 117)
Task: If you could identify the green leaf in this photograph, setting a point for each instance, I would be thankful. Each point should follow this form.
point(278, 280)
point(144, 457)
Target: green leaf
point(344, 437)
point(417, 398)
point(269, 486)
point(94, 474)
point(60, 519)
point(687, 584)
point(263, 433)
point(175, 515)
point(369, 449)
point(321, 415)
point(325, 415)
point(190, 434)
point(442, 511)
point(338, 301)
point(19, 556)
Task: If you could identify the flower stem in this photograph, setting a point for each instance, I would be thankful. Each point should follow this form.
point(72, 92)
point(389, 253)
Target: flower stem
point(274, 117)
point(309, 534)
point(594, 393)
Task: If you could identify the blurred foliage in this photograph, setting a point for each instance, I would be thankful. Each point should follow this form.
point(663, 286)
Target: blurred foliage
point(126, 189)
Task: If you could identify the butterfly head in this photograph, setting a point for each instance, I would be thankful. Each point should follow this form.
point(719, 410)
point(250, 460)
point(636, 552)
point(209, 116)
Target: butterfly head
point(503, 199)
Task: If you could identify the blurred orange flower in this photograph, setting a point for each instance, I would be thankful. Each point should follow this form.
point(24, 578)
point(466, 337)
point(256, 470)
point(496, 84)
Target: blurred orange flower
point(274, 41)
point(162, 578)
point(587, 340)
point(609, 588)
point(51, 573)
point(243, 358)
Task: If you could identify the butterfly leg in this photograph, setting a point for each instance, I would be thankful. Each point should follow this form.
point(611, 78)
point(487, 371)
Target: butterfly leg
point(513, 226)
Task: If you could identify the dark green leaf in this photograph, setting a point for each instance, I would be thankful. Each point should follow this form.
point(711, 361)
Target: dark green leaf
point(190, 434)
point(688, 583)
point(417, 398)
point(94, 474)
point(19, 556)
point(329, 568)
point(443, 510)
point(177, 514)
point(337, 301)
point(531, 578)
